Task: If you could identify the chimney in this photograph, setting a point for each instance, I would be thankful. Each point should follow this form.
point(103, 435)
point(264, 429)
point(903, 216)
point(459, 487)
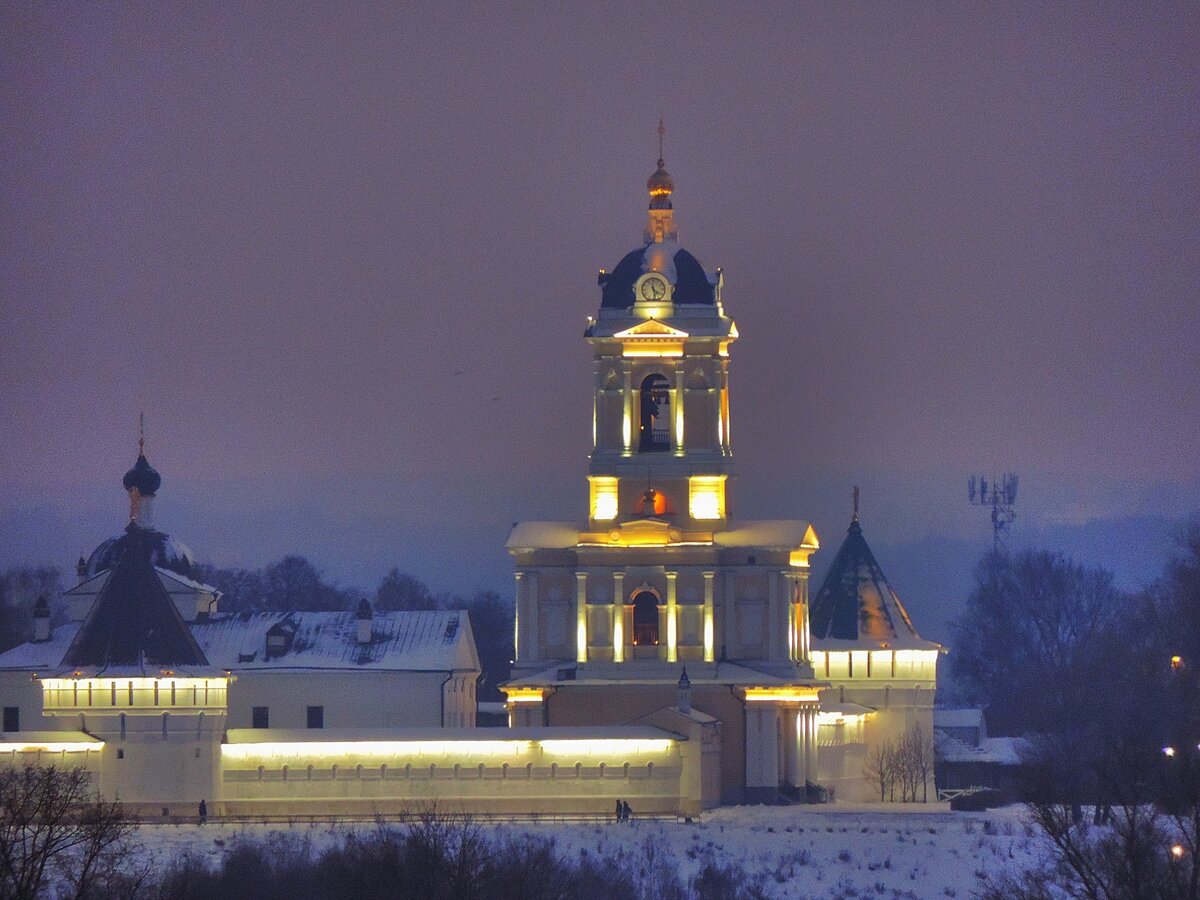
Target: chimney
point(685, 693)
point(365, 617)
point(41, 620)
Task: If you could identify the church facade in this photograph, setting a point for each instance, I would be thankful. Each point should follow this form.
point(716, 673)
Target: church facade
point(661, 579)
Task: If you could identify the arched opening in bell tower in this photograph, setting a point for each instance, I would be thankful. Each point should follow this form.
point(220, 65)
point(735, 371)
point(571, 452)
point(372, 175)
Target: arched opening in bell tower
point(655, 432)
point(645, 619)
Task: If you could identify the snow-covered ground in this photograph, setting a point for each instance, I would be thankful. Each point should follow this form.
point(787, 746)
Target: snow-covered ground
point(796, 852)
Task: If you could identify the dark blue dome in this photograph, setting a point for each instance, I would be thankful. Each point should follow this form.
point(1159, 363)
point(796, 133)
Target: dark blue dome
point(143, 477)
point(690, 282)
point(165, 552)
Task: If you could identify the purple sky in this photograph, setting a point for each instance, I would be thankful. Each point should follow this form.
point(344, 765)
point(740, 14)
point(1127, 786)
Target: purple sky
point(342, 257)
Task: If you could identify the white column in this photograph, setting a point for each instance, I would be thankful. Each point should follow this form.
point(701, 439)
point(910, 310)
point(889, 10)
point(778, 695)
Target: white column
point(793, 746)
point(581, 630)
point(805, 631)
point(795, 619)
point(672, 620)
point(517, 657)
point(618, 613)
point(532, 650)
point(809, 716)
point(777, 616)
point(729, 632)
point(677, 435)
point(725, 405)
point(709, 651)
point(762, 757)
point(627, 420)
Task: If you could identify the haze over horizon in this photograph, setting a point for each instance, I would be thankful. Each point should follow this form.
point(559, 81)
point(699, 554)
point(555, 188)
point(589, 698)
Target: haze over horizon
point(342, 257)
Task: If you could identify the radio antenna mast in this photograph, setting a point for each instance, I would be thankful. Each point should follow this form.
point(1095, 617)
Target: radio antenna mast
point(1001, 495)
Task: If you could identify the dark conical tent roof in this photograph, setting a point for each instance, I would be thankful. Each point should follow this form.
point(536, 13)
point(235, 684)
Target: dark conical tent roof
point(856, 603)
point(134, 622)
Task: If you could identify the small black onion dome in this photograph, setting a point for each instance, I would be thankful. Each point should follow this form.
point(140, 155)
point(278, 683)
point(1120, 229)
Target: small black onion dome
point(143, 477)
point(684, 681)
point(660, 184)
point(81, 566)
point(364, 609)
point(41, 609)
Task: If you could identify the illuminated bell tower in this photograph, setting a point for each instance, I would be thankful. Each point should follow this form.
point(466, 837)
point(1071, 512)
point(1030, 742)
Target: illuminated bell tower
point(660, 343)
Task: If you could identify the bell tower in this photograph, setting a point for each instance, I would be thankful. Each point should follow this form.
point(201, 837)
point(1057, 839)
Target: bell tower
point(660, 347)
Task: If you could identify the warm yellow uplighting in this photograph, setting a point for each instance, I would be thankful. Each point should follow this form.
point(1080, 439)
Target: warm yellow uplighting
point(350, 749)
point(525, 695)
point(672, 616)
point(604, 497)
point(605, 746)
point(840, 718)
point(51, 746)
point(618, 639)
point(709, 637)
point(780, 694)
point(1176, 662)
point(661, 351)
point(133, 694)
point(706, 496)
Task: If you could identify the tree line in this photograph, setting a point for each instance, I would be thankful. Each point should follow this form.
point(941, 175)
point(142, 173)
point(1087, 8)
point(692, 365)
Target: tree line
point(1104, 687)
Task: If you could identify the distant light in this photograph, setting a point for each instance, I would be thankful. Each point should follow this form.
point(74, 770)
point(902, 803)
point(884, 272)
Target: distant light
point(1177, 851)
point(1169, 751)
point(1177, 662)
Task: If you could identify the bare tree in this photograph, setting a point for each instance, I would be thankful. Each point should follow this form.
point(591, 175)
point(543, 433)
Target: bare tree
point(53, 827)
point(878, 769)
point(917, 753)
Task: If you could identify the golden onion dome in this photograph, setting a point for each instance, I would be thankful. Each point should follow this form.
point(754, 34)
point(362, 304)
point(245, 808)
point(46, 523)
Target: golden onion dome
point(660, 184)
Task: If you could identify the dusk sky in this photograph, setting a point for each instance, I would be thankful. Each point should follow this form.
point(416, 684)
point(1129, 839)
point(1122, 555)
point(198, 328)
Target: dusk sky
point(342, 257)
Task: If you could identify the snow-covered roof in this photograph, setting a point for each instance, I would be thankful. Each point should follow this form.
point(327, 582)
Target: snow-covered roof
point(40, 656)
point(552, 733)
point(543, 535)
point(789, 534)
point(957, 718)
point(410, 641)
point(651, 672)
point(401, 641)
point(779, 533)
point(1004, 751)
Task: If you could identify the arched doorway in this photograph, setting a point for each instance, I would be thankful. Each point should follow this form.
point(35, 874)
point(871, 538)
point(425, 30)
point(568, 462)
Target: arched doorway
point(645, 619)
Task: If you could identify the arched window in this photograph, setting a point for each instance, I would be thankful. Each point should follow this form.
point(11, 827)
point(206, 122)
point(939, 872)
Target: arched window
point(645, 619)
point(655, 433)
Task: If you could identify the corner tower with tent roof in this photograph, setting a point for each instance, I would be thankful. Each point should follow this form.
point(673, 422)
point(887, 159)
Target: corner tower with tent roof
point(133, 676)
point(882, 674)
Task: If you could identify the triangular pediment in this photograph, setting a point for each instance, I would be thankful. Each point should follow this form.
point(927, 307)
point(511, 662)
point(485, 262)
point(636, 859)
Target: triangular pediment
point(652, 328)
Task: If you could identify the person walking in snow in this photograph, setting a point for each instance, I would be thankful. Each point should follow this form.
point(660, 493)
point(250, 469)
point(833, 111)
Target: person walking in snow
point(203, 812)
point(620, 811)
point(628, 812)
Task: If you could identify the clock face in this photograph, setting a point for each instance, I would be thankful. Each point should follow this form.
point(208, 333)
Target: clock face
point(654, 289)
